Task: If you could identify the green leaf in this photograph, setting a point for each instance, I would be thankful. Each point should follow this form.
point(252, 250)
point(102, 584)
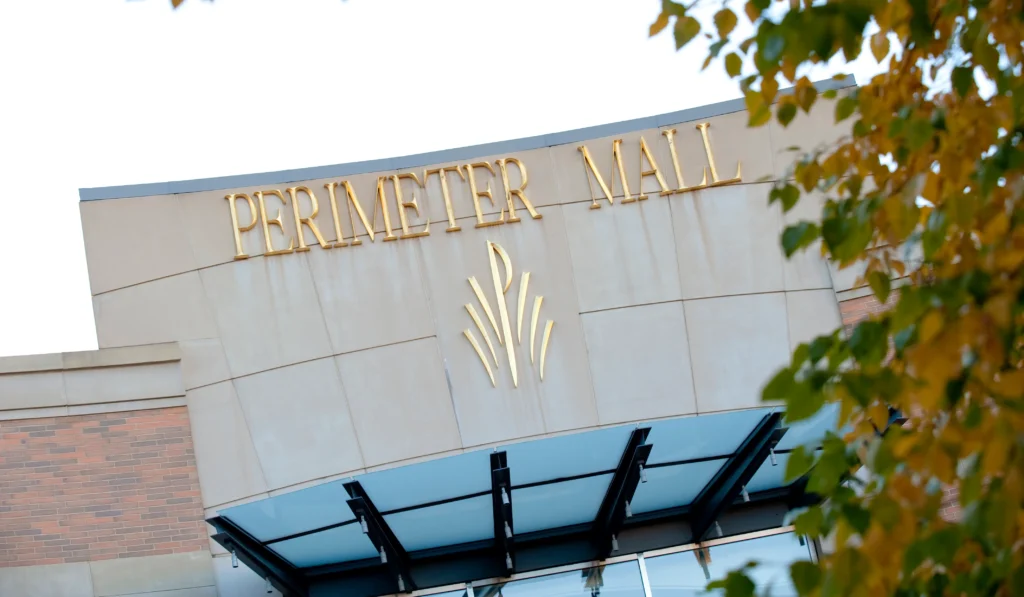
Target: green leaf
point(829, 94)
point(780, 387)
point(810, 521)
point(800, 461)
point(787, 112)
point(803, 403)
point(934, 233)
point(685, 30)
point(845, 107)
point(736, 584)
point(869, 342)
point(733, 64)
point(918, 133)
point(774, 44)
point(799, 235)
point(725, 22)
point(806, 576)
point(859, 518)
point(963, 80)
point(880, 285)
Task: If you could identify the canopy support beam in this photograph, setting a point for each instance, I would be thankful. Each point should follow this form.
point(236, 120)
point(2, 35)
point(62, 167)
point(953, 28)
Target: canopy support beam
point(376, 528)
point(259, 558)
point(615, 506)
point(729, 481)
point(501, 502)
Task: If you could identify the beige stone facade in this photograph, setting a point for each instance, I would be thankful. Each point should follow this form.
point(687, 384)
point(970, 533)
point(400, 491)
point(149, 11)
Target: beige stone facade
point(310, 366)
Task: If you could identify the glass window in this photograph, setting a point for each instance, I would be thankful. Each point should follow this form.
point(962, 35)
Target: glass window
point(671, 486)
point(340, 544)
point(811, 431)
point(567, 455)
point(701, 436)
point(431, 481)
point(292, 513)
point(683, 574)
point(461, 521)
point(769, 476)
point(614, 580)
point(558, 504)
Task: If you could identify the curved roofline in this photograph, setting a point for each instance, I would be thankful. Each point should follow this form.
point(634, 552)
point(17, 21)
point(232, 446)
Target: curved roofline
point(433, 157)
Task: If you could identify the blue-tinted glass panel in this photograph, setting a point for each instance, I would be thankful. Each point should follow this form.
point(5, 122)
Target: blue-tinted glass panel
point(701, 436)
point(452, 523)
point(768, 476)
point(567, 455)
point(681, 574)
point(558, 504)
point(291, 513)
point(614, 580)
point(432, 481)
point(811, 431)
point(341, 544)
point(671, 486)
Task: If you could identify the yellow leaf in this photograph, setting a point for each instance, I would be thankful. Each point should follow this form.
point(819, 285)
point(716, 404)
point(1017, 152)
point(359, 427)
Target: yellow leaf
point(879, 46)
point(931, 326)
point(659, 24)
point(997, 450)
point(769, 87)
point(753, 12)
point(725, 21)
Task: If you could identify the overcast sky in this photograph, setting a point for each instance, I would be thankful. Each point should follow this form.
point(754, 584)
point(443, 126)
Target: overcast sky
point(111, 92)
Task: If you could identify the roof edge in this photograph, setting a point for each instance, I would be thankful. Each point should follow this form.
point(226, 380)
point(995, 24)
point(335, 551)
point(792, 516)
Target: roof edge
point(433, 157)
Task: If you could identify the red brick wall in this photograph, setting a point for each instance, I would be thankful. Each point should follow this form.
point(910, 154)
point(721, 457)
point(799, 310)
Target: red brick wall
point(858, 309)
point(95, 487)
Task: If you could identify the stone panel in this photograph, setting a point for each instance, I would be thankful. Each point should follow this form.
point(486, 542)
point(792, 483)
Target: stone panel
point(300, 422)
point(811, 313)
point(736, 344)
point(564, 400)
point(400, 401)
point(727, 241)
point(228, 466)
point(57, 580)
point(267, 312)
point(32, 390)
point(623, 255)
point(640, 362)
point(116, 384)
point(128, 241)
point(126, 576)
point(203, 362)
point(163, 310)
point(372, 294)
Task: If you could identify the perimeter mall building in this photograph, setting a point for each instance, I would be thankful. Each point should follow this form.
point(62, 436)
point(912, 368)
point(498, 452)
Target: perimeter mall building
point(525, 368)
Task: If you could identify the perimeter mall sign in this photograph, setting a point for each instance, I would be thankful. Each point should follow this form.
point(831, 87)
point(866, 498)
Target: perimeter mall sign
point(261, 210)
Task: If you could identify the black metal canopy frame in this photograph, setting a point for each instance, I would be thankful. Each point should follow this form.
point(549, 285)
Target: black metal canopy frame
point(723, 507)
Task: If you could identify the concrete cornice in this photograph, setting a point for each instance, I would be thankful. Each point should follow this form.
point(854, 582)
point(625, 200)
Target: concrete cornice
point(434, 157)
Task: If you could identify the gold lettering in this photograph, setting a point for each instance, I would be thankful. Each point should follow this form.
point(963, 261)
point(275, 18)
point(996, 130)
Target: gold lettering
point(353, 201)
point(334, 213)
point(293, 192)
point(510, 192)
point(589, 168)
point(403, 205)
point(670, 135)
point(715, 182)
point(441, 172)
point(276, 221)
point(238, 230)
point(477, 194)
point(645, 152)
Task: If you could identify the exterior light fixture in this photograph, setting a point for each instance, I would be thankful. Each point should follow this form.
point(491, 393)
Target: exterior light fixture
point(270, 588)
point(629, 511)
point(504, 496)
point(746, 496)
point(643, 474)
point(718, 528)
point(508, 560)
point(615, 543)
point(234, 558)
point(365, 527)
point(401, 584)
point(508, 531)
point(383, 556)
point(771, 453)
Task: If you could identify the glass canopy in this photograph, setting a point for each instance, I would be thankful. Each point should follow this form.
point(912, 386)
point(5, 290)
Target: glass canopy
point(569, 481)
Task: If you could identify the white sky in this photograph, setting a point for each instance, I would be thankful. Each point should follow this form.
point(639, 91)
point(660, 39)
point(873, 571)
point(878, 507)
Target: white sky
point(111, 92)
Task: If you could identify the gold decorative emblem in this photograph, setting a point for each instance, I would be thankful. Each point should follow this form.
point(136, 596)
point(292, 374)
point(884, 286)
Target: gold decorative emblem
point(504, 332)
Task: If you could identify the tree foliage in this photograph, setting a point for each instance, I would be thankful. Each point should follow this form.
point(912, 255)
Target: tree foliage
point(932, 167)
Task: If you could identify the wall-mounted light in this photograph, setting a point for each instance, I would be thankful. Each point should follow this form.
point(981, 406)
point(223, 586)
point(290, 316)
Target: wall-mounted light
point(234, 558)
point(508, 531)
point(643, 474)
